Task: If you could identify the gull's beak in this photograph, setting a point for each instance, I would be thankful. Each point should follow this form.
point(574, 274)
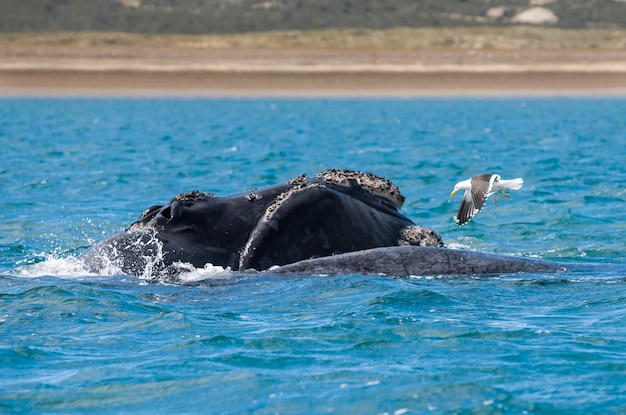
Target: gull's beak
point(453, 192)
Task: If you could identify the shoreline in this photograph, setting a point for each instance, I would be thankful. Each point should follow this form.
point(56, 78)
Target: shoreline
point(168, 68)
point(303, 83)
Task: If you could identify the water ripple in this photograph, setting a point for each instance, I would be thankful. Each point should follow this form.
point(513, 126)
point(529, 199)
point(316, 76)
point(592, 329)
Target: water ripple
point(76, 170)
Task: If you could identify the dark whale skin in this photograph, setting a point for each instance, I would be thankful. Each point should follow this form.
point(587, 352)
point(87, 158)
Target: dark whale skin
point(339, 222)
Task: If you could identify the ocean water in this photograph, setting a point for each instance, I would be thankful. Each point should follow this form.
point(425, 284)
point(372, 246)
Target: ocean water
point(75, 170)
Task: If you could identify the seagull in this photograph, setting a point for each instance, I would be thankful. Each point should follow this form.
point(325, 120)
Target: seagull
point(478, 189)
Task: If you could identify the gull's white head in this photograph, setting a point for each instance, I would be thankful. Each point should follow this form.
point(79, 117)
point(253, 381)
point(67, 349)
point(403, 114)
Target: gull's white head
point(463, 185)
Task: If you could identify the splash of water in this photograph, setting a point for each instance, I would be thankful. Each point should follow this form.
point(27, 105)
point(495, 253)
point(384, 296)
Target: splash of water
point(111, 262)
point(187, 273)
point(72, 267)
point(61, 267)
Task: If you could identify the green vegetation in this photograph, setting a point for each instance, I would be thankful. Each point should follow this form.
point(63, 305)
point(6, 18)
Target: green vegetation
point(401, 38)
point(244, 16)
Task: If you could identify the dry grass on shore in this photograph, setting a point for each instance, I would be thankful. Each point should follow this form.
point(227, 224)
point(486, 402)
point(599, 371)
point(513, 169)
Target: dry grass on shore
point(413, 62)
point(474, 38)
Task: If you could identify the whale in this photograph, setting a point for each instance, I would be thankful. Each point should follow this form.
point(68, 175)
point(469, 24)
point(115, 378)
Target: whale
point(336, 222)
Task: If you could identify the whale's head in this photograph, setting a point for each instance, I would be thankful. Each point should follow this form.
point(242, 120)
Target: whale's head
point(334, 213)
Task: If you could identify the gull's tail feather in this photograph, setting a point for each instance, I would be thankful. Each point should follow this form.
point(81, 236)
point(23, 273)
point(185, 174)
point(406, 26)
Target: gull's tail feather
point(514, 184)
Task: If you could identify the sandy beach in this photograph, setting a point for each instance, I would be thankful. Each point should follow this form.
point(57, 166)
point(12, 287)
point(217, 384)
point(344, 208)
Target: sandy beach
point(141, 70)
point(314, 84)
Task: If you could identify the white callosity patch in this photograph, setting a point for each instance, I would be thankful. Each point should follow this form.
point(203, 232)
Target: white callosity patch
point(284, 196)
point(376, 185)
point(420, 236)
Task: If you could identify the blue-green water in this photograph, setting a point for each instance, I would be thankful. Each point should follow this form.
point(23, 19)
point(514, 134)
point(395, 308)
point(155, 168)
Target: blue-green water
point(75, 170)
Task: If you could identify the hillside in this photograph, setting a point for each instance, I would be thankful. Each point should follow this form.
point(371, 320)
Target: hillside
point(240, 16)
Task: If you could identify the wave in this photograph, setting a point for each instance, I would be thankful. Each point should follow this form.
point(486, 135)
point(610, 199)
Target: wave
point(72, 267)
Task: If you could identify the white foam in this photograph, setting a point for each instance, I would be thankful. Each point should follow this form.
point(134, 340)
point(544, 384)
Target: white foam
point(68, 267)
point(187, 273)
point(458, 245)
point(72, 267)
